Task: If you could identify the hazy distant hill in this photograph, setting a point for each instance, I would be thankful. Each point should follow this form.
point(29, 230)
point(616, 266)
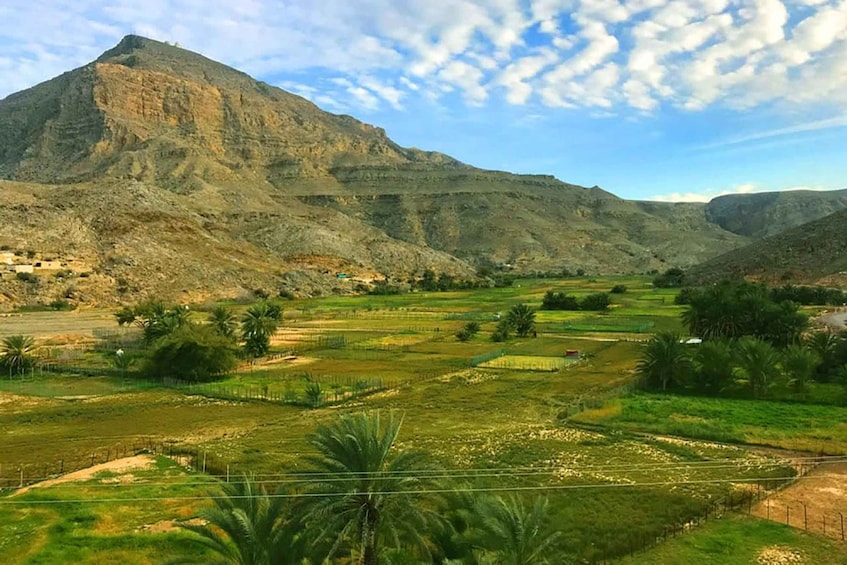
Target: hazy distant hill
point(768, 213)
point(171, 174)
point(815, 252)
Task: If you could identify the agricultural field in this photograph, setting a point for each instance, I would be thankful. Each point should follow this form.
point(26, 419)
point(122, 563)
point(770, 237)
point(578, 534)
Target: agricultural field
point(513, 416)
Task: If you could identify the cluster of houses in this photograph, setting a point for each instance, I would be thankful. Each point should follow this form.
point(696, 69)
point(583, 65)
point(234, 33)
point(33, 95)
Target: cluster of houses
point(12, 263)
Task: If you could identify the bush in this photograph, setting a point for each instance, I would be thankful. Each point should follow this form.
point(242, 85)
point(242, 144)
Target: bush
point(61, 304)
point(672, 278)
point(598, 301)
point(193, 353)
point(467, 332)
point(618, 289)
point(559, 301)
point(31, 278)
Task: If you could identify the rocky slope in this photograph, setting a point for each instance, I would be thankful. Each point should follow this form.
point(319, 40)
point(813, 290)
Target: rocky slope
point(769, 213)
point(813, 253)
point(175, 176)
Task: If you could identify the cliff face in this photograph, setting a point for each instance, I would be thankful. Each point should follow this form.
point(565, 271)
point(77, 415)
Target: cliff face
point(178, 175)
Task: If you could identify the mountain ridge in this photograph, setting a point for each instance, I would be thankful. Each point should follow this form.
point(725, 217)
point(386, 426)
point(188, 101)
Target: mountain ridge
point(189, 178)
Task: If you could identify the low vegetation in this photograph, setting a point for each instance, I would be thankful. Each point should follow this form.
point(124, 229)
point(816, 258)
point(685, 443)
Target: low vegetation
point(510, 452)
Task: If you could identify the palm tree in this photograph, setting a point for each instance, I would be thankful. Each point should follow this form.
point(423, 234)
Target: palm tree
point(370, 500)
point(223, 320)
point(510, 533)
point(246, 526)
point(522, 318)
point(713, 365)
point(758, 361)
point(16, 350)
point(665, 361)
point(799, 364)
point(258, 325)
point(825, 345)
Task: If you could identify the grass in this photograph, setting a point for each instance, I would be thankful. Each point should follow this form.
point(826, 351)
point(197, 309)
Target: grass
point(101, 532)
point(465, 417)
point(742, 540)
point(805, 427)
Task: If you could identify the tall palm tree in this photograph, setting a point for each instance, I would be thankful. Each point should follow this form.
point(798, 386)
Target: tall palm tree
point(758, 362)
point(522, 319)
point(511, 533)
point(246, 526)
point(799, 364)
point(665, 361)
point(223, 320)
point(370, 501)
point(825, 345)
point(258, 325)
point(17, 353)
point(713, 365)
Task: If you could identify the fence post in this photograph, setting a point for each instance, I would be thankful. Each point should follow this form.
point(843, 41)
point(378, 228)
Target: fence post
point(787, 514)
point(842, 525)
point(805, 517)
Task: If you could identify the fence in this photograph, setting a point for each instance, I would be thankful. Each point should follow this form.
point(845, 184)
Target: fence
point(756, 492)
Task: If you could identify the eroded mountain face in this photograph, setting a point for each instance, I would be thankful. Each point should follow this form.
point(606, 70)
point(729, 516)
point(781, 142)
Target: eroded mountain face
point(169, 174)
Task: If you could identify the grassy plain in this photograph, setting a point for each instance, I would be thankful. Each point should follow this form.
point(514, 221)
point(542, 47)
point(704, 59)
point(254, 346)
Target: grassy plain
point(741, 540)
point(607, 487)
point(804, 427)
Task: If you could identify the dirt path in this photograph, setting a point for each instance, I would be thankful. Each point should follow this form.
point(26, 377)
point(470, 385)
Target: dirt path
point(815, 502)
point(124, 465)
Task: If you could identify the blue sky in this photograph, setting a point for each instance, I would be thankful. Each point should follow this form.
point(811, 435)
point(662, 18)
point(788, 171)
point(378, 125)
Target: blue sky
point(650, 99)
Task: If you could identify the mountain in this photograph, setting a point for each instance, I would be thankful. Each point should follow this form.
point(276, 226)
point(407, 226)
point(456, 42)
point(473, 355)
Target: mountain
point(163, 173)
point(813, 253)
point(769, 213)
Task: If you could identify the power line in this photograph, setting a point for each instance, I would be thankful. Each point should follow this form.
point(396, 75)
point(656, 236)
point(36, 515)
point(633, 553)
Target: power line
point(447, 473)
point(309, 478)
point(418, 491)
point(606, 466)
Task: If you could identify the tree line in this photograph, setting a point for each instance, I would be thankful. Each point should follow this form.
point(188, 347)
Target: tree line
point(752, 341)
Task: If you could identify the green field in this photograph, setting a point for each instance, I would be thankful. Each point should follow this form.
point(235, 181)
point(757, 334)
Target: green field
point(743, 541)
point(471, 406)
point(806, 427)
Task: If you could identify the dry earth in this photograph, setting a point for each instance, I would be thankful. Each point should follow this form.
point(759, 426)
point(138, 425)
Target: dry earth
point(124, 465)
point(823, 493)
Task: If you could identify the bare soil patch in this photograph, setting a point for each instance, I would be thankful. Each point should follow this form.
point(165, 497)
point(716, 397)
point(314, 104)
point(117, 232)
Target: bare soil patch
point(778, 555)
point(124, 465)
point(813, 503)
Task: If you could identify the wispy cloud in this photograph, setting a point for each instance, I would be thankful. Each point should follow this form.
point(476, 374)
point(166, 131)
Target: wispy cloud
point(815, 125)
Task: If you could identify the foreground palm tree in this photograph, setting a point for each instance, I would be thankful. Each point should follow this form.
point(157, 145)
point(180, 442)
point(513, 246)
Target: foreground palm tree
point(369, 486)
point(665, 361)
point(246, 526)
point(17, 353)
point(511, 533)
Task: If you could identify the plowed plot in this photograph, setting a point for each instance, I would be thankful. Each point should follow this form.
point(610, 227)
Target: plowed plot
point(814, 503)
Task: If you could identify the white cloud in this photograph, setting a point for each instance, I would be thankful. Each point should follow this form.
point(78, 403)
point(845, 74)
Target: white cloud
point(689, 54)
point(746, 188)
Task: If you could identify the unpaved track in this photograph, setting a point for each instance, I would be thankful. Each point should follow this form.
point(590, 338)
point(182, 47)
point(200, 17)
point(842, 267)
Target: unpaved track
point(135, 463)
